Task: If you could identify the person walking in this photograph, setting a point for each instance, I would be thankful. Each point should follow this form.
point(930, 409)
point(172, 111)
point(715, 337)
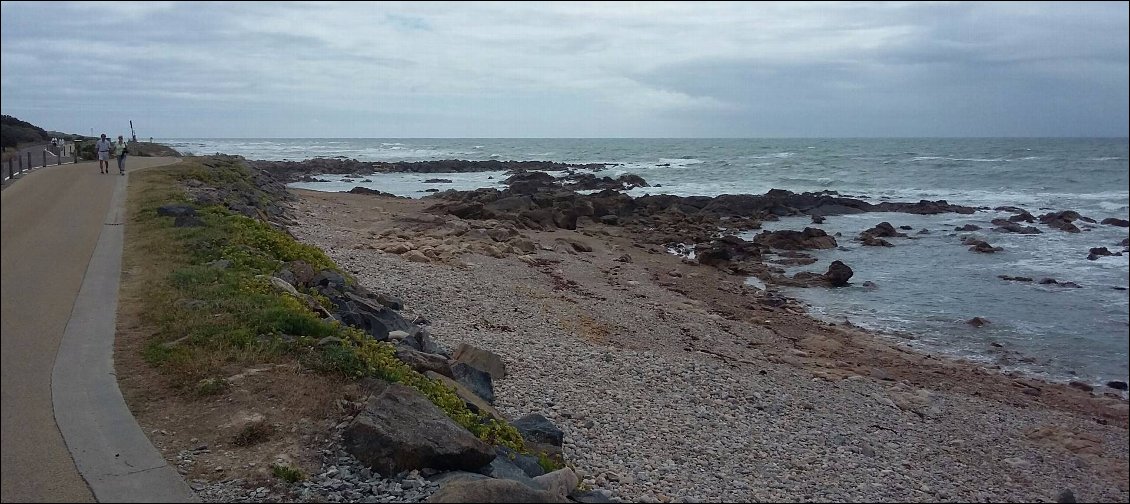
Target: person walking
point(120, 151)
point(103, 148)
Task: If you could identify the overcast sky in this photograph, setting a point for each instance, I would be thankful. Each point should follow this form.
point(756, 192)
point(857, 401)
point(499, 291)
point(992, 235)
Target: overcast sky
point(568, 69)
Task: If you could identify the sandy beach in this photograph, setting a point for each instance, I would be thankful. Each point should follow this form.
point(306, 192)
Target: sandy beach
point(676, 382)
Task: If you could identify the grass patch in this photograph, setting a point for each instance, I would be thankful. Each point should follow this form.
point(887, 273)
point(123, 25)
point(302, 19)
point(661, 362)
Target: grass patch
point(287, 473)
point(549, 464)
point(208, 320)
point(253, 434)
point(211, 386)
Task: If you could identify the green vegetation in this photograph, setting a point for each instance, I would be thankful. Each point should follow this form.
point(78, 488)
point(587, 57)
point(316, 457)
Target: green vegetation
point(14, 132)
point(549, 464)
point(209, 319)
point(287, 473)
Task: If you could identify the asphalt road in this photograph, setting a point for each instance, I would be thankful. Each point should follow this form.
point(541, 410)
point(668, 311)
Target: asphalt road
point(51, 220)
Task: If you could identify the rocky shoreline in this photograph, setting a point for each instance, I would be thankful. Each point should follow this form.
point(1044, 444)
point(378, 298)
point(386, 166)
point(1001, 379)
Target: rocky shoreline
point(673, 383)
point(292, 171)
point(670, 381)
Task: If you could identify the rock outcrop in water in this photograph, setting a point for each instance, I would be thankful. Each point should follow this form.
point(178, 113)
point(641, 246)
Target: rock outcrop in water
point(292, 171)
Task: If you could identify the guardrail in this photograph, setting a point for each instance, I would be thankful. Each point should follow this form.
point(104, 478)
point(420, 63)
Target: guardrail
point(38, 156)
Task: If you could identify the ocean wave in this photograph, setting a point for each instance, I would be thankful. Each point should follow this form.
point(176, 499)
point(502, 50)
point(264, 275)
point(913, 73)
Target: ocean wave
point(944, 158)
point(775, 155)
point(679, 161)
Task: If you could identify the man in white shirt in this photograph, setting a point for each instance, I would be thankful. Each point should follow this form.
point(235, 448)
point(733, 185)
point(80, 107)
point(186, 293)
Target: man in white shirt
point(103, 147)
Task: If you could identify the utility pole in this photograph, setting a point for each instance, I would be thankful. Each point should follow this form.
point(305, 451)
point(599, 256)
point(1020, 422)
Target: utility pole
point(131, 131)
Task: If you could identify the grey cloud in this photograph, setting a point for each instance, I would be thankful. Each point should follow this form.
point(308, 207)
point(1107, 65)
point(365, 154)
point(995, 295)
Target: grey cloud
point(563, 69)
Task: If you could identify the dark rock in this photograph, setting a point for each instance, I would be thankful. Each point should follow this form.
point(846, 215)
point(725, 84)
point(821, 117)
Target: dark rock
point(303, 273)
point(884, 230)
point(838, 274)
point(493, 490)
point(984, 247)
point(1012, 209)
point(906, 228)
point(1023, 217)
point(528, 463)
point(923, 231)
point(1014, 278)
point(539, 429)
point(1111, 221)
point(1116, 385)
point(810, 238)
point(531, 182)
point(1012, 227)
point(1081, 386)
point(1097, 252)
point(424, 362)
point(437, 181)
point(1066, 497)
point(175, 210)
point(375, 319)
point(502, 468)
point(475, 379)
point(1052, 281)
point(870, 241)
point(329, 278)
point(188, 220)
point(977, 322)
point(473, 401)
point(589, 497)
point(401, 430)
point(817, 219)
point(372, 192)
point(420, 340)
point(968, 227)
point(1061, 220)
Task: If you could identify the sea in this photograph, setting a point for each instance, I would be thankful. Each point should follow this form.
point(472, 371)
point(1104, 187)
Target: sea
point(923, 290)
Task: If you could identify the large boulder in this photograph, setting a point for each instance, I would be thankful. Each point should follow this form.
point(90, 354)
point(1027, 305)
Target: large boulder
point(531, 182)
point(471, 399)
point(539, 429)
point(1111, 221)
point(420, 340)
point(478, 381)
point(884, 230)
point(1062, 220)
point(424, 362)
point(1011, 226)
point(838, 274)
point(485, 360)
point(401, 430)
point(810, 238)
point(374, 318)
point(493, 490)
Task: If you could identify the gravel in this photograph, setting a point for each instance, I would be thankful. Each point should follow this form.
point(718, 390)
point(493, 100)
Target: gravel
point(650, 421)
point(341, 479)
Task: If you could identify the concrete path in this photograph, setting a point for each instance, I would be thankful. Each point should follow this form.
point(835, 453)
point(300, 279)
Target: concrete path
point(61, 263)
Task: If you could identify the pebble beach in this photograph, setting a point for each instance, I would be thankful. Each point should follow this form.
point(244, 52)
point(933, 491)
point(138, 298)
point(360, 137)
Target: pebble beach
point(664, 398)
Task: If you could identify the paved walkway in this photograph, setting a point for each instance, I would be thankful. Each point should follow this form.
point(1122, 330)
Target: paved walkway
point(67, 435)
